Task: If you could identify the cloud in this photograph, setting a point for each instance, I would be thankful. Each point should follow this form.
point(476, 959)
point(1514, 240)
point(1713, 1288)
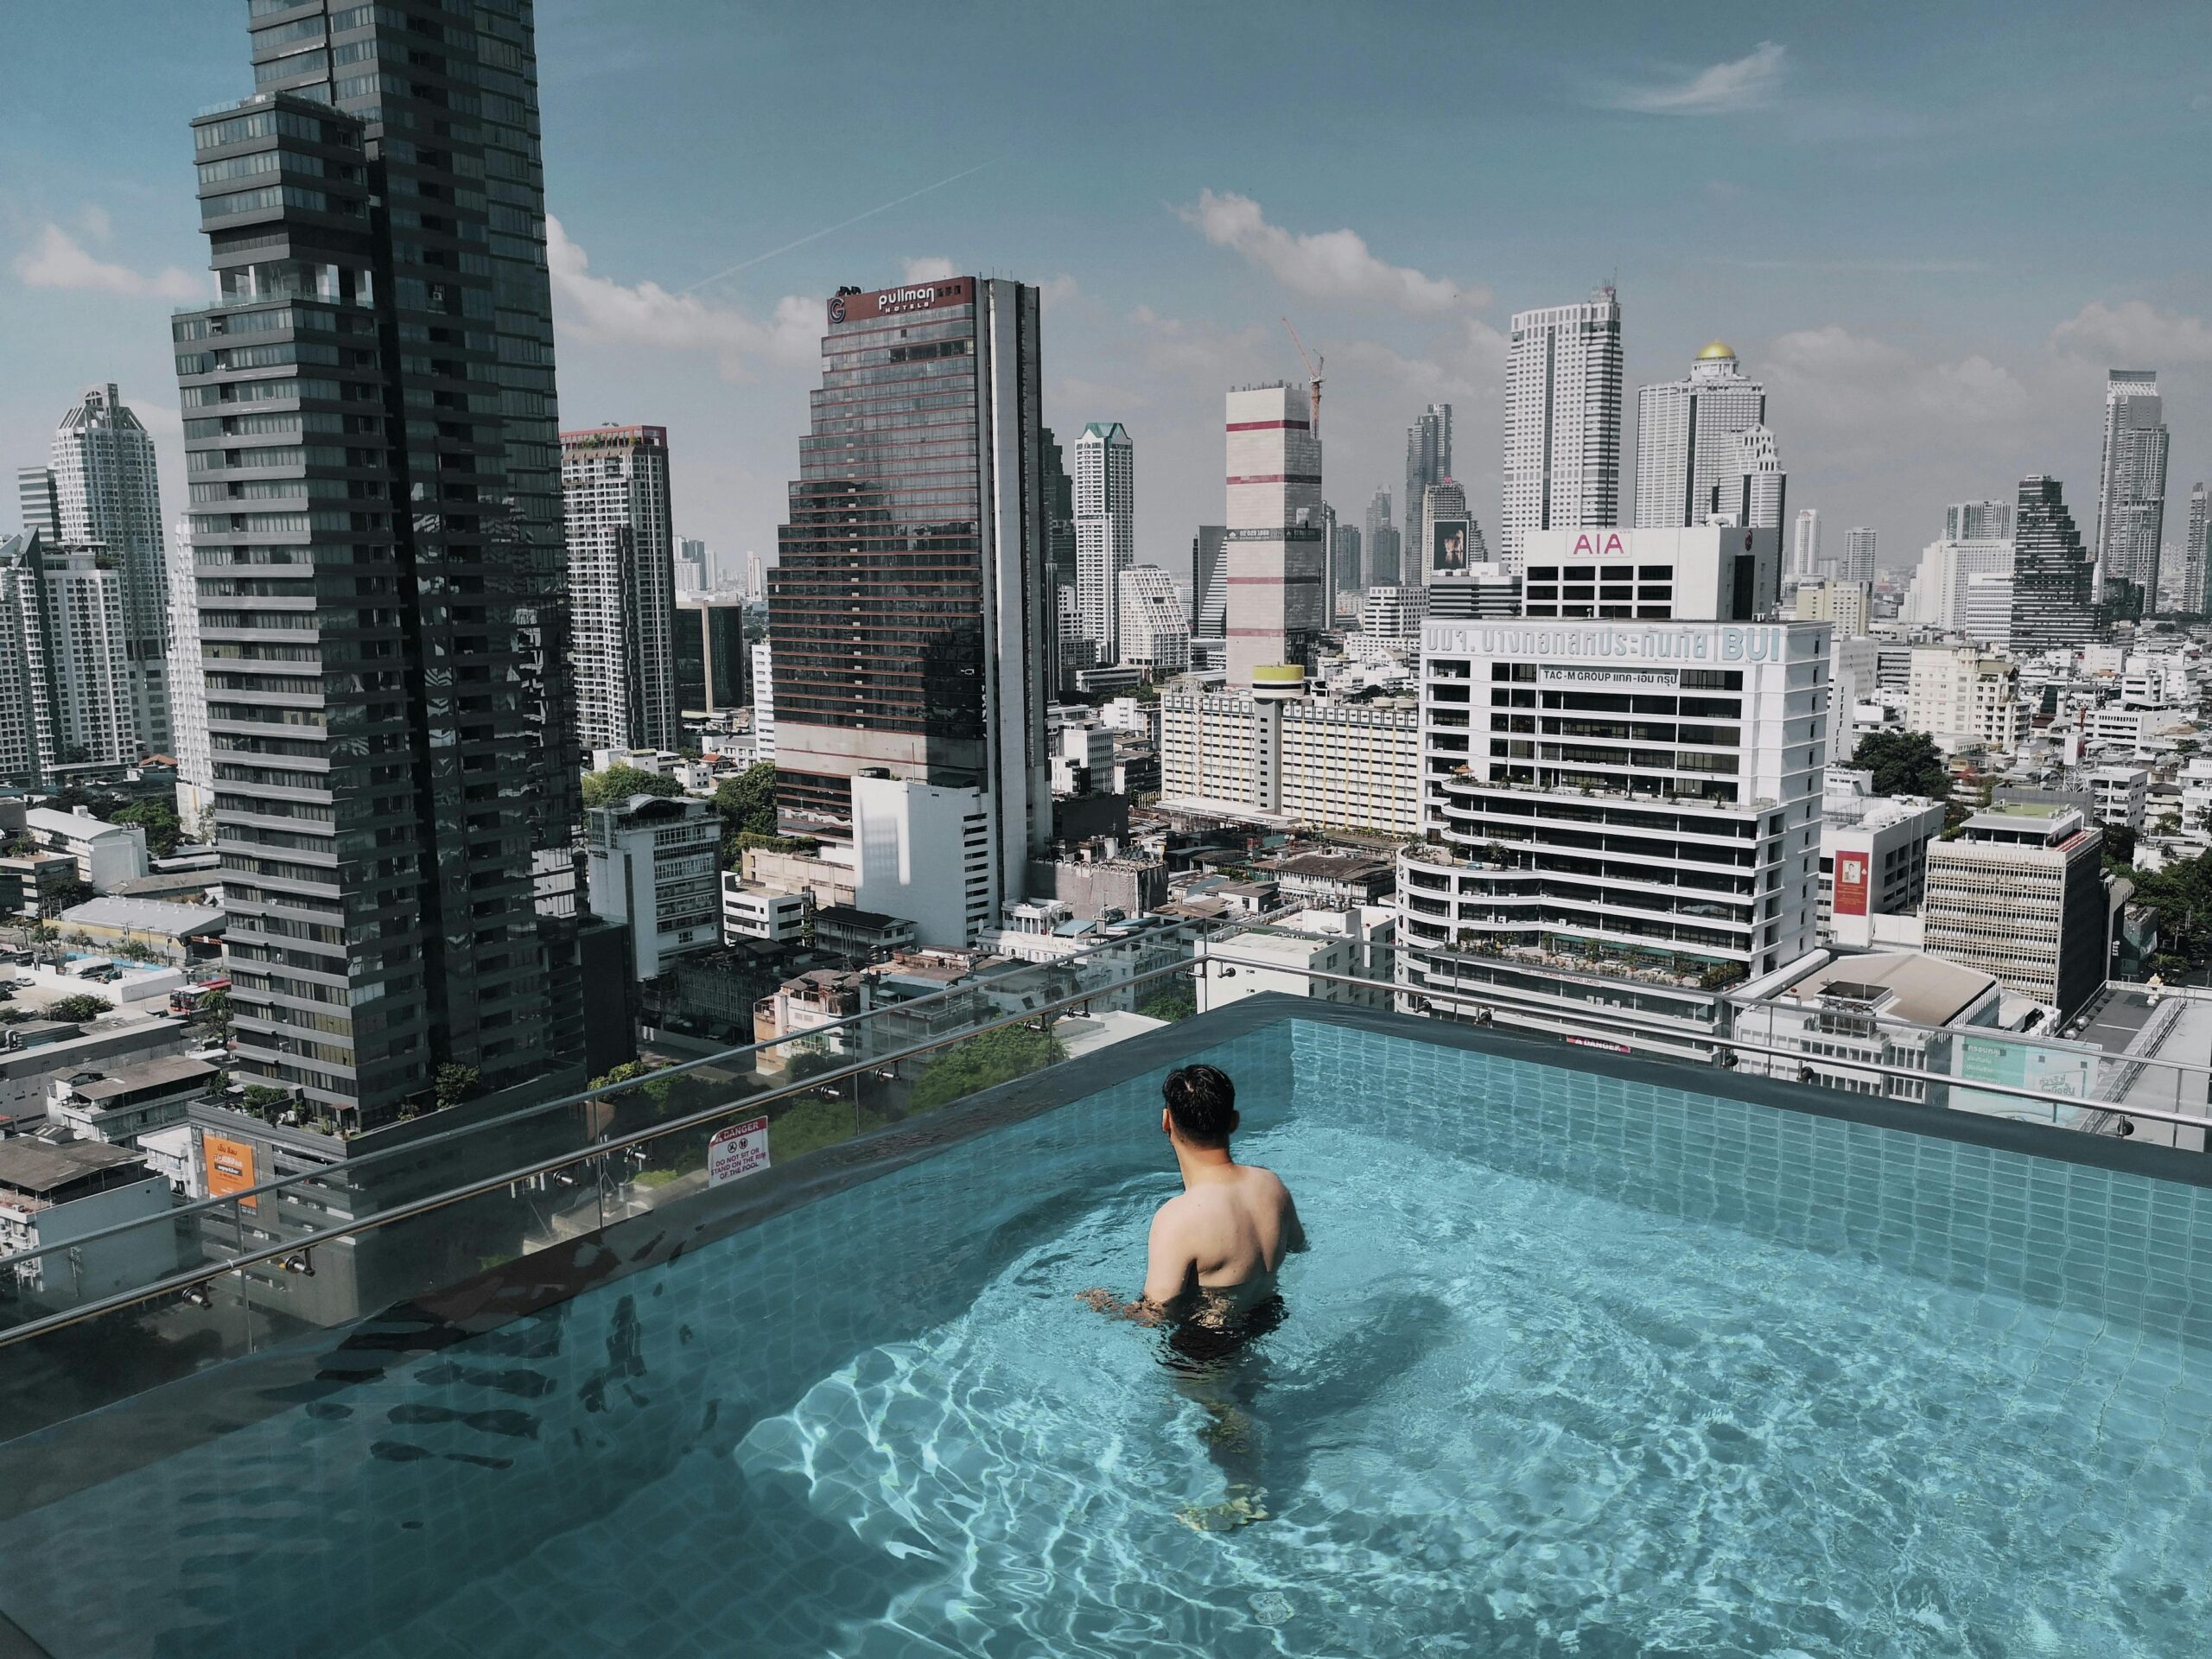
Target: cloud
point(601, 311)
point(1057, 289)
point(932, 269)
point(1330, 265)
point(59, 260)
point(2132, 334)
point(1745, 83)
point(1842, 380)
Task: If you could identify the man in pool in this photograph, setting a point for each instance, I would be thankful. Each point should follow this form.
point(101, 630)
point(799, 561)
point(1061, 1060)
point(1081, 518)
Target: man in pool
point(1210, 1276)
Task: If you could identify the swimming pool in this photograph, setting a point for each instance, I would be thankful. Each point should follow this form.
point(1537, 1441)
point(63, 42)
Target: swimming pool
point(1579, 1364)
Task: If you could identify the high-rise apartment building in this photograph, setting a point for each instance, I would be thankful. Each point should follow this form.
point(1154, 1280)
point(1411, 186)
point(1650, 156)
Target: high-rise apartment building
point(2196, 553)
point(1977, 521)
point(1276, 606)
point(1857, 563)
point(622, 585)
point(1105, 530)
point(2131, 493)
point(35, 496)
point(1428, 456)
point(1938, 597)
point(369, 424)
point(908, 604)
point(1563, 381)
point(1382, 550)
point(764, 701)
point(1347, 566)
point(1752, 490)
point(106, 497)
point(691, 576)
point(64, 685)
point(1209, 582)
point(1685, 438)
point(195, 760)
point(1805, 543)
point(2053, 576)
point(1154, 631)
point(1450, 541)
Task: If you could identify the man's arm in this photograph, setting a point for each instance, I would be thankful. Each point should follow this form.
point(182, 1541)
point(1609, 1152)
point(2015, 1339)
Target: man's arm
point(1168, 1263)
point(1294, 1229)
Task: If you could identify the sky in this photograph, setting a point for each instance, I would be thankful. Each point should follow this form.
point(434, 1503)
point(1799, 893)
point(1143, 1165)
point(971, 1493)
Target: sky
point(1929, 231)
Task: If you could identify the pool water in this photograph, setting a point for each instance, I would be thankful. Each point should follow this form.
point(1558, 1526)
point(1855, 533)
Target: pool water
point(1575, 1367)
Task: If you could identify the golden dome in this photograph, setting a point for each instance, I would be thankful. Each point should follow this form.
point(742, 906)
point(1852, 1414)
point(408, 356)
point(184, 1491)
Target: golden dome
point(1714, 353)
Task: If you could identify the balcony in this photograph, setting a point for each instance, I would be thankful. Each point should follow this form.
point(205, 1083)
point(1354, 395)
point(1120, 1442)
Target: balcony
point(630, 1373)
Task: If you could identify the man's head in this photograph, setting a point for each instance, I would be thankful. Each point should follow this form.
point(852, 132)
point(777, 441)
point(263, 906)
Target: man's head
point(1201, 1106)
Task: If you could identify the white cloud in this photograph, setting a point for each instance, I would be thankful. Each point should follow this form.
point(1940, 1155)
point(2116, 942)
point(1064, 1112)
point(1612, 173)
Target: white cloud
point(1840, 379)
point(2132, 336)
point(932, 269)
point(601, 311)
point(1745, 83)
point(1329, 265)
point(1057, 289)
point(59, 260)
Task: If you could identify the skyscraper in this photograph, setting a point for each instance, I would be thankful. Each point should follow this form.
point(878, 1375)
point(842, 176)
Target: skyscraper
point(907, 607)
point(1977, 521)
point(2131, 492)
point(2053, 578)
point(1381, 549)
point(1685, 438)
point(2196, 553)
point(105, 495)
point(370, 422)
point(1276, 606)
point(621, 585)
point(1857, 563)
point(1805, 543)
point(1105, 532)
point(1209, 588)
point(1059, 514)
point(35, 495)
point(1428, 456)
point(1752, 490)
point(1347, 565)
point(1450, 540)
point(691, 555)
point(1562, 422)
point(195, 761)
point(711, 659)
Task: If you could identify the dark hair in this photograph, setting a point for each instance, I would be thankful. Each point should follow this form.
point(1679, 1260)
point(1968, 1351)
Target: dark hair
point(1203, 1101)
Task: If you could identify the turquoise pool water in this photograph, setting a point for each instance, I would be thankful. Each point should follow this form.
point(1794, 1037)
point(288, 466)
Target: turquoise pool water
point(1576, 1367)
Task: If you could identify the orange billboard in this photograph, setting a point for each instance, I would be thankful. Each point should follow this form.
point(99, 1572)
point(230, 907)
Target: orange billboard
point(229, 1167)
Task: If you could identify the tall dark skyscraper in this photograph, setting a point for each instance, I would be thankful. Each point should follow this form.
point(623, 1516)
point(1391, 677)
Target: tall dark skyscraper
point(907, 609)
point(1428, 459)
point(2053, 575)
point(369, 424)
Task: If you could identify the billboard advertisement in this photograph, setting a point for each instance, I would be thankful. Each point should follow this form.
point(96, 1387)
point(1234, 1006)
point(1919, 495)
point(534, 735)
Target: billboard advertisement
point(229, 1167)
point(1851, 884)
point(1448, 547)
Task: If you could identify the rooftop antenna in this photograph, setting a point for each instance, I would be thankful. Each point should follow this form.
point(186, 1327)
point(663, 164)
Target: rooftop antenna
point(1313, 367)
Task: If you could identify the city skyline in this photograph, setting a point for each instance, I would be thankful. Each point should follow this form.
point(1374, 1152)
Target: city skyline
point(1910, 382)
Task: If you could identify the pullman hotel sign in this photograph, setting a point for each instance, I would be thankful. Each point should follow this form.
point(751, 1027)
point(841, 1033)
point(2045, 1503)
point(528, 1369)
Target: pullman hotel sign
point(889, 301)
point(1570, 642)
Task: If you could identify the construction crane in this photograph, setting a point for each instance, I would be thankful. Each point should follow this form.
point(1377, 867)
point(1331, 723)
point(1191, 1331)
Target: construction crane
point(1313, 367)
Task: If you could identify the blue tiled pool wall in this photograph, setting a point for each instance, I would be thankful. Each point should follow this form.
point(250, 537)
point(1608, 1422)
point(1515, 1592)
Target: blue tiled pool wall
point(2102, 1244)
point(408, 1480)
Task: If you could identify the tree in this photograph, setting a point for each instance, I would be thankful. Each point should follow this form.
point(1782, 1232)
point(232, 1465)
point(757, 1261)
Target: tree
point(260, 1098)
point(984, 1062)
point(747, 805)
point(81, 1007)
point(617, 784)
point(2120, 845)
point(158, 819)
point(211, 1014)
point(1168, 1005)
point(451, 1083)
point(2180, 896)
point(1903, 763)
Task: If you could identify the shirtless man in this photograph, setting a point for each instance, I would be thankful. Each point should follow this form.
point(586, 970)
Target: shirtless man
point(1210, 1273)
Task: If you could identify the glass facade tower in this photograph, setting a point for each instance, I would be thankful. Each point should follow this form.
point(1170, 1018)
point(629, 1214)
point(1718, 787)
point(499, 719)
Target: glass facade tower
point(370, 428)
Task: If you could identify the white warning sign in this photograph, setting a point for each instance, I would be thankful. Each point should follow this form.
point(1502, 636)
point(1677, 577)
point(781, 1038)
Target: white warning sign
point(741, 1149)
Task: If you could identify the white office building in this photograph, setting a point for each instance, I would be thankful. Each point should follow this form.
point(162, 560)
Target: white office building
point(195, 757)
point(922, 852)
point(1805, 542)
point(1105, 532)
point(621, 585)
point(1849, 604)
point(1273, 556)
point(764, 702)
point(1964, 697)
point(1394, 613)
point(1709, 572)
point(1563, 385)
point(1283, 757)
point(1625, 813)
point(1686, 438)
point(751, 912)
point(1155, 628)
point(1873, 855)
point(1857, 561)
point(2121, 794)
point(1937, 595)
point(651, 862)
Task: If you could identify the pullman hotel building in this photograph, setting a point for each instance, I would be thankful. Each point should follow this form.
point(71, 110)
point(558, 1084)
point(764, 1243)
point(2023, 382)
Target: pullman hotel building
point(1619, 810)
point(907, 610)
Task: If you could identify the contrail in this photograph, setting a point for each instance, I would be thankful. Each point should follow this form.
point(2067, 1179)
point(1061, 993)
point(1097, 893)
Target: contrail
point(817, 236)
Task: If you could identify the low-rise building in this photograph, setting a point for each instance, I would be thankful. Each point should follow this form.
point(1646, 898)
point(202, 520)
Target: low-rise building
point(755, 912)
point(854, 935)
point(1292, 956)
point(1884, 1009)
point(2121, 792)
point(53, 1193)
point(154, 929)
point(2020, 894)
point(1334, 880)
point(650, 863)
point(1278, 755)
point(119, 1106)
point(38, 886)
point(105, 853)
point(1873, 855)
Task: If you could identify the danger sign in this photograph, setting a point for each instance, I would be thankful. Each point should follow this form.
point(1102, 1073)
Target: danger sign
point(741, 1149)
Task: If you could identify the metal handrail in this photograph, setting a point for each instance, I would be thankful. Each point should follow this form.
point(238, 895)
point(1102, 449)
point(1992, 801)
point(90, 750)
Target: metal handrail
point(1609, 1026)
